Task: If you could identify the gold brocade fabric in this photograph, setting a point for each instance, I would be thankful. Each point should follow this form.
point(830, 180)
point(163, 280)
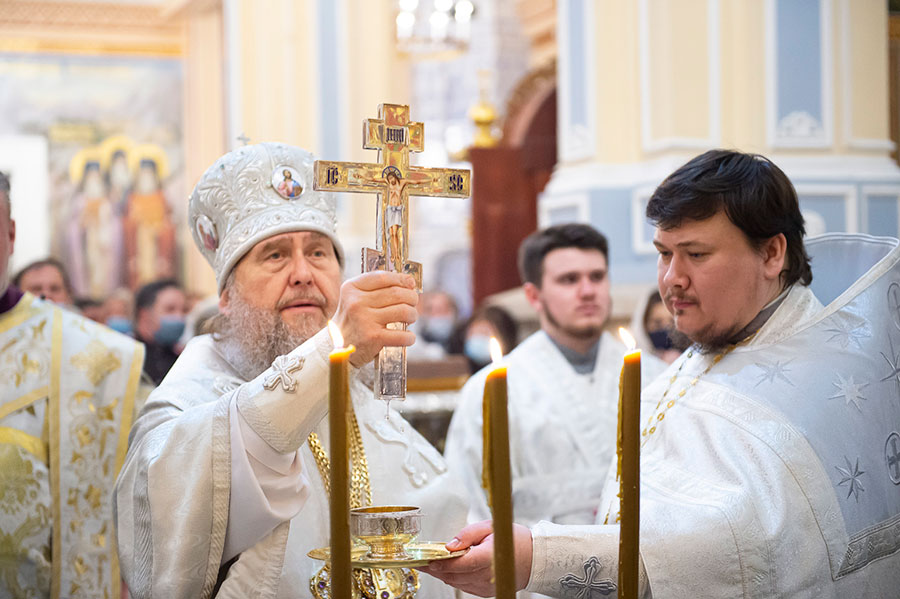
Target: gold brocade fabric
point(25, 506)
point(66, 401)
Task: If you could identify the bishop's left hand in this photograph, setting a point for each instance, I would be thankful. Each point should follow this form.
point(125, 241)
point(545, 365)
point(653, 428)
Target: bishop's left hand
point(472, 572)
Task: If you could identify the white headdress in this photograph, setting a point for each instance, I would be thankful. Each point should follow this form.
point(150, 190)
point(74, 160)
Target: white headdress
point(253, 193)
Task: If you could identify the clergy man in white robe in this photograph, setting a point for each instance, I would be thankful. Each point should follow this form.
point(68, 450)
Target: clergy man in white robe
point(222, 490)
point(770, 458)
point(563, 386)
point(68, 388)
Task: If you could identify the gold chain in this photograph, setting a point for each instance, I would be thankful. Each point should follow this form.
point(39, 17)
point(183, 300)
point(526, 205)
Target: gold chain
point(367, 582)
point(659, 415)
point(360, 489)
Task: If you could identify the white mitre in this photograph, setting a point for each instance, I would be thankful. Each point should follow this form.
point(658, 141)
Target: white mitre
point(253, 193)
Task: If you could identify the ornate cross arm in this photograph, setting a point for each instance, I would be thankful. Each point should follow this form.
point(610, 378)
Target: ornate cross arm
point(393, 180)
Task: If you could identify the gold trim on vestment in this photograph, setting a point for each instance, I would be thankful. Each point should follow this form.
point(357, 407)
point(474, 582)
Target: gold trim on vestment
point(29, 443)
point(24, 401)
point(53, 411)
point(19, 314)
point(134, 379)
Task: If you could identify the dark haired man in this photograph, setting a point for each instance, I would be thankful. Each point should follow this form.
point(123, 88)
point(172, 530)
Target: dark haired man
point(67, 392)
point(563, 385)
point(160, 308)
point(771, 457)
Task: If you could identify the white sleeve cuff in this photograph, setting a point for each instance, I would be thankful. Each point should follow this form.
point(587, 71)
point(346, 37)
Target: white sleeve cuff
point(267, 487)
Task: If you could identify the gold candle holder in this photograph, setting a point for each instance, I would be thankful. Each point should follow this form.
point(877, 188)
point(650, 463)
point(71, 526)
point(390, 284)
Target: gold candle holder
point(387, 530)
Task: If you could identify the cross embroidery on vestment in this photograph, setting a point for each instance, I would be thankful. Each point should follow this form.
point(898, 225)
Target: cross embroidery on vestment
point(589, 586)
point(282, 368)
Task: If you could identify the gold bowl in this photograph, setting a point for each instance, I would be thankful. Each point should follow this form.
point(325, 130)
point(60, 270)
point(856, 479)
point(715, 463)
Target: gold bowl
point(386, 530)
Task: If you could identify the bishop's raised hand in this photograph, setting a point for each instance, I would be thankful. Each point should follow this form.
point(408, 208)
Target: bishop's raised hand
point(368, 303)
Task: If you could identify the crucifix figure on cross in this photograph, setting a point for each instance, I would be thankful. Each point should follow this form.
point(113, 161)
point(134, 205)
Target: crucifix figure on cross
point(393, 180)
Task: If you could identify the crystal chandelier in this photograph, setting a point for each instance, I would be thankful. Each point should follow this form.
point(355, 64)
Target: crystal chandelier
point(433, 26)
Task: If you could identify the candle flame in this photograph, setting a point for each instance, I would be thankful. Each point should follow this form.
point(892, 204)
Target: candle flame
point(336, 336)
point(496, 350)
point(627, 338)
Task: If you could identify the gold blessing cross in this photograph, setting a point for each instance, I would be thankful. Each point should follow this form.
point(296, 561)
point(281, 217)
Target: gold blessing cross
point(393, 180)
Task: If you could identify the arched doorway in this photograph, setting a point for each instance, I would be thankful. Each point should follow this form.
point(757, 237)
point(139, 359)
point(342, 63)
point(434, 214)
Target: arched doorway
point(507, 179)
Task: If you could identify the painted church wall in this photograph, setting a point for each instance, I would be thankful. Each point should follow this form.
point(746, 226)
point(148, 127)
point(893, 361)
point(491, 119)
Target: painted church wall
point(865, 97)
point(616, 74)
point(77, 102)
point(679, 66)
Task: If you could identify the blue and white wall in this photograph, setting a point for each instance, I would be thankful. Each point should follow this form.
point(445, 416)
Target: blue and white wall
point(645, 85)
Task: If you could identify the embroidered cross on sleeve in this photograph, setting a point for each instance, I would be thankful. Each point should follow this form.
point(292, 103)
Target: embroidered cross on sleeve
point(281, 371)
point(589, 586)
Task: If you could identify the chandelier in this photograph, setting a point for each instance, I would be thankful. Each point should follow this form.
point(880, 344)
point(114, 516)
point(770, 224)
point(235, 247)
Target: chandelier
point(433, 27)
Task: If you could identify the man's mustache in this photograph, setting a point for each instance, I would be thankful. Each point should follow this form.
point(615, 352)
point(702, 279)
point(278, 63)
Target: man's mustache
point(676, 296)
point(316, 299)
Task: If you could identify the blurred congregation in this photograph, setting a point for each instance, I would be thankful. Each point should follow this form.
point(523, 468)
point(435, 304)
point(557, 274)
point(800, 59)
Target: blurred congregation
point(450, 345)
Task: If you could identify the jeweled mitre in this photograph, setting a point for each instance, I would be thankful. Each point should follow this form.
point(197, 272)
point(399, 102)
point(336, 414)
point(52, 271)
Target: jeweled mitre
point(253, 193)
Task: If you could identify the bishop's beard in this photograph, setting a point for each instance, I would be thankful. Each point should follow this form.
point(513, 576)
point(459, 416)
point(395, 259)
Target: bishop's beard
point(251, 338)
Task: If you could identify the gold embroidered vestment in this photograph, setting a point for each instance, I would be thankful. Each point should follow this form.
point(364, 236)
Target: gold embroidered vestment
point(67, 391)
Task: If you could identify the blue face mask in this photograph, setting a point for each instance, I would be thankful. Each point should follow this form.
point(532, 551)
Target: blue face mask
point(478, 349)
point(119, 323)
point(660, 339)
point(170, 331)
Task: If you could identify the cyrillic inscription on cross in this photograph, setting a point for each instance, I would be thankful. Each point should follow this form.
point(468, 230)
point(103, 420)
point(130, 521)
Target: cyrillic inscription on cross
point(394, 180)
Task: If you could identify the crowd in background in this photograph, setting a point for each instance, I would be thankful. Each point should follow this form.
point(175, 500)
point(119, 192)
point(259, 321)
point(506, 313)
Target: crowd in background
point(164, 317)
point(161, 314)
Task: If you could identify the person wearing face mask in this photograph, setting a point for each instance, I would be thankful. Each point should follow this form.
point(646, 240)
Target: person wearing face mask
point(473, 338)
point(563, 385)
point(439, 317)
point(119, 309)
point(160, 309)
point(652, 326)
point(436, 323)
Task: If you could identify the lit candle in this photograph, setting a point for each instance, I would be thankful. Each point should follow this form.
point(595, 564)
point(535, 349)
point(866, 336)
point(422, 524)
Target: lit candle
point(497, 474)
point(629, 468)
point(339, 501)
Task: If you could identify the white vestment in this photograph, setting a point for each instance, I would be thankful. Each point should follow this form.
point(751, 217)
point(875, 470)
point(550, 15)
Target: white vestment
point(778, 473)
point(189, 498)
point(562, 428)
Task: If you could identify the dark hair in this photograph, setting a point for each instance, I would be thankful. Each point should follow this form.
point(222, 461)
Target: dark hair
point(652, 300)
point(755, 194)
point(146, 295)
point(502, 320)
point(17, 280)
point(4, 192)
point(540, 243)
point(86, 302)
